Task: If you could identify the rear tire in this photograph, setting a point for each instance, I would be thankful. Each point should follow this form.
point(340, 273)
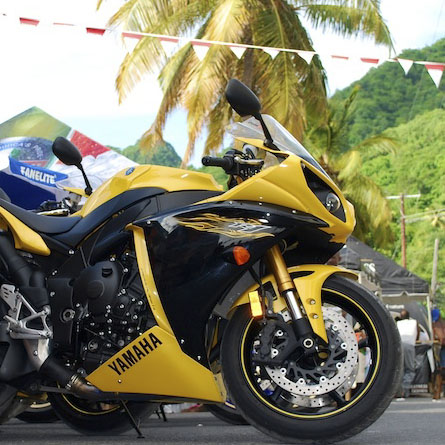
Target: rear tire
point(39, 412)
point(293, 422)
point(98, 418)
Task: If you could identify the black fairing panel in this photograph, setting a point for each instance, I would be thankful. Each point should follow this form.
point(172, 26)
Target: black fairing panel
point(193, 267)
point(94, 219)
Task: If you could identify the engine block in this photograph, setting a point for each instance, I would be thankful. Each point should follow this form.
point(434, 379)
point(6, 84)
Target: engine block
point(123, 319)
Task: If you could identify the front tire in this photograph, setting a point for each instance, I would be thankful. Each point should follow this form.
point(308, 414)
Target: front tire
point(98, 418)
point(296, 418)
point(227, 413)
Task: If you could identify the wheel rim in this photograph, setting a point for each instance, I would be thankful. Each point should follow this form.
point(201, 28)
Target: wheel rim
point(40, 406)
point(284, 401)
point(90, 408)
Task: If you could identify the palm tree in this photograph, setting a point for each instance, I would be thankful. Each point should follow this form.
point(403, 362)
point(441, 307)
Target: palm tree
point(289, 88)
point(326, 141)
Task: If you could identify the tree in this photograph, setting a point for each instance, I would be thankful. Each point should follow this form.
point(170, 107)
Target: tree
point(327, 142)
point(289, 88)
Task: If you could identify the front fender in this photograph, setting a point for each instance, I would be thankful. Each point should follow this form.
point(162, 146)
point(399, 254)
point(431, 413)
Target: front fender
point(309, 286)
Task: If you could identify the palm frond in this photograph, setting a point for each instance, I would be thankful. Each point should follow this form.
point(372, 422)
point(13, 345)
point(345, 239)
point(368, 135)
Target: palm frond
point(172, 78)
point(376, 145)
point(348, 17)
point(372, 209)
point(218, 119)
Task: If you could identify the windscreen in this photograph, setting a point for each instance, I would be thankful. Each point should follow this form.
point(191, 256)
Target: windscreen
point(251, 128)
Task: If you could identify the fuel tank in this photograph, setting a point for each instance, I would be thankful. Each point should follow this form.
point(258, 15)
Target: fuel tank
point(146, 176)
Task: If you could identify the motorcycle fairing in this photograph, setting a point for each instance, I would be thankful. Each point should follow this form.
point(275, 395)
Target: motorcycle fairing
point(309, 280)
point(24, 237)
point(275, 185)
point(112, 196)
point(191, 256)
point(149, 176)
point(154, 364)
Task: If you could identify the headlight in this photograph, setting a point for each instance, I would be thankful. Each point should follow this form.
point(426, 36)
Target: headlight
point(324, 194)
point(332, 202)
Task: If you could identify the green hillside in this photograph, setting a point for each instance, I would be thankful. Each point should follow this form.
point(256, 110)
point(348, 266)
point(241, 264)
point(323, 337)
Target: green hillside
point(388, 98)
point(418, 166)
point(166, 155)
point(160, 155)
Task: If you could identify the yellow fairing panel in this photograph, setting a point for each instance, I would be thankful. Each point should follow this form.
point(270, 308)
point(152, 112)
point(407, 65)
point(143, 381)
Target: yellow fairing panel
point(309, 289)
point(155, 364)
point(285, 185)
point(167, 178)
point(24, 237)
point(147, 279)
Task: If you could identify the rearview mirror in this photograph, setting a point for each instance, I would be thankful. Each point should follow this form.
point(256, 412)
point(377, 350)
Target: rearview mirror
point(242, 99)
point(67, 152)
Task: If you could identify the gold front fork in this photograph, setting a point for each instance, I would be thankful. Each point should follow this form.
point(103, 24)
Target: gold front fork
point(279, 269)
point(287, 288)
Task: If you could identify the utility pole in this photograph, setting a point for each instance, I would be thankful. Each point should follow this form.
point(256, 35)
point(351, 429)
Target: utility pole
point(434, 276)
point(402, 228)
point(430, 300)
point(402, 197)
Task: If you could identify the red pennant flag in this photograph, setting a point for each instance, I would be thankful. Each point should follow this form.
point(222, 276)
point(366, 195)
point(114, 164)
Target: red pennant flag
point(169, 39)
point(32, 22)
point(368, 60)
point(132, 35)
point(97, 31)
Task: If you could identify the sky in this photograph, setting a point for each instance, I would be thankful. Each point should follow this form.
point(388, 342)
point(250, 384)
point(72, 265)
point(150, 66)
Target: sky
point(71, 75)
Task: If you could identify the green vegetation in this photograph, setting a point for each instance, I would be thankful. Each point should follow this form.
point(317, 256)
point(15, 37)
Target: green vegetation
point(418, 166)
point(326, 142)
point(162, 154)
point(388, 98)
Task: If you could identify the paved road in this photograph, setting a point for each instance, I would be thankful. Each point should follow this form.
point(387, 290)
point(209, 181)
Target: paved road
point(413, 422)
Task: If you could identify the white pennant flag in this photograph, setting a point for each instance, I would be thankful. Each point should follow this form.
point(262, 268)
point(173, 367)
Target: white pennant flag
point(169, 46)
point(130, 44)
point(238, 51)
point(272, 52)
point(306, 55)
point(405, 64)
point(435, 72)
point(200, 51)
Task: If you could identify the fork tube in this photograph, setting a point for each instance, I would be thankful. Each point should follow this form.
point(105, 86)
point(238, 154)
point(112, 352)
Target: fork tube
point(284, 281)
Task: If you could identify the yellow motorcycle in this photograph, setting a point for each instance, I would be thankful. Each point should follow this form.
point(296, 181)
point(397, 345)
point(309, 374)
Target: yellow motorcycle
point(162, 282)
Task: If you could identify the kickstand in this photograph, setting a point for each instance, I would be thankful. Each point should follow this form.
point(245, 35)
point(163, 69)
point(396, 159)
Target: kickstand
point(132, 421)
point(161, 413)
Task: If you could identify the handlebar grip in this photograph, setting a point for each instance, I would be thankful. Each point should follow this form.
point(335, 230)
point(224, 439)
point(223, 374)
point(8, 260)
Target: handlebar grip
point(226, 162)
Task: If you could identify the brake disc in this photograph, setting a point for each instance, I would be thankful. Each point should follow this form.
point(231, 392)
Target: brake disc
point(309, 385)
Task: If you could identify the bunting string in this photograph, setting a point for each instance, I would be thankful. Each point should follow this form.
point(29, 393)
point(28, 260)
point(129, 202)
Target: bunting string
point(201, 47)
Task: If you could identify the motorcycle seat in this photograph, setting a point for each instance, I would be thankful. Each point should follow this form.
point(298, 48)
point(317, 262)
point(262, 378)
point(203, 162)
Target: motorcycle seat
point(40, 223)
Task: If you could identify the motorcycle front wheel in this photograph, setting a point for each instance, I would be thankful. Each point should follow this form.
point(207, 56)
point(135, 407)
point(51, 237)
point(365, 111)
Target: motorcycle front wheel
point(98, 418)
point(323, 398)
point(227, 412)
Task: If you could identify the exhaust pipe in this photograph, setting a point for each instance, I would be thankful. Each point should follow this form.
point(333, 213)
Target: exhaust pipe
point(74, 383)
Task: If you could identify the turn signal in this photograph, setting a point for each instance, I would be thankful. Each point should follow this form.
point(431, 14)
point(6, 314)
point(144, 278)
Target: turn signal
point(241, 255)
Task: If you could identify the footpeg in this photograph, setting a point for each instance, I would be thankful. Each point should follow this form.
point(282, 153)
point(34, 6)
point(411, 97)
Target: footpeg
point(18, 323)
